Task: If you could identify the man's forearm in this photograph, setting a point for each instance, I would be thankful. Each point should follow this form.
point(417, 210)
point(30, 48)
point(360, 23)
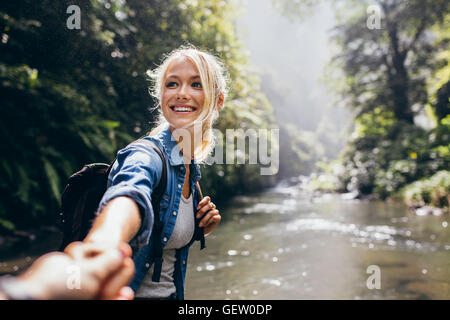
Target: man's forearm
point(118, 222)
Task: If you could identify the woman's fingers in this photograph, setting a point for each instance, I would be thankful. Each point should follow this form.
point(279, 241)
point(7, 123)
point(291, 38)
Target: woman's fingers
point(206, 219)
point(116, 281)
point(125, 249)
point(212, 223)
point(211, 216)
point(125, 293)
point(203, 202)
point(206, 207)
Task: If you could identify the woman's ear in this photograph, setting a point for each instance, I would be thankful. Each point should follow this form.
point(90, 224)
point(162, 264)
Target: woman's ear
point(220, 101)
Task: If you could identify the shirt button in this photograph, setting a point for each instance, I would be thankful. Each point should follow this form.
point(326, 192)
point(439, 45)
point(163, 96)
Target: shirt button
point(184, 261)
point(147, 265)
point(174, 213)
point(165, 239)
point(179, 186)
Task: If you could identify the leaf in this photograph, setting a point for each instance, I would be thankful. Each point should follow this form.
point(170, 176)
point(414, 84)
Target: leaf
point(23, 184)
point(8, 225)
point(7, 168)
point(108, 124)
point(53, 179)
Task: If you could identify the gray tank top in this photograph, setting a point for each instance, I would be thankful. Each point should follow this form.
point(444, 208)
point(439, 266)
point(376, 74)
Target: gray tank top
point(181, 235)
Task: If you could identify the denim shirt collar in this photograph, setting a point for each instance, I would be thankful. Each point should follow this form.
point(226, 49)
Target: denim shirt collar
point(173, 152)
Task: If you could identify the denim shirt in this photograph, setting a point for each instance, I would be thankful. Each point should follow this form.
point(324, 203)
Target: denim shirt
point(135, 174)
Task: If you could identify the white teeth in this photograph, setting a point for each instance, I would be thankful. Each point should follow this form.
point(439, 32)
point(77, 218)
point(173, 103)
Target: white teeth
point(183, 109)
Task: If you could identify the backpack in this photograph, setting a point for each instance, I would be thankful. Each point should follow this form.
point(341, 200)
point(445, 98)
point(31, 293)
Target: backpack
point(83, 193)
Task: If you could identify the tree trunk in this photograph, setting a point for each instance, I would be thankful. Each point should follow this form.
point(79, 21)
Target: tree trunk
point(398, 78)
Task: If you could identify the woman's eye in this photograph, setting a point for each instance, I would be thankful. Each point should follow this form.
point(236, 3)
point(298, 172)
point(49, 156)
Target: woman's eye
point(171, 84)
point(197, 85)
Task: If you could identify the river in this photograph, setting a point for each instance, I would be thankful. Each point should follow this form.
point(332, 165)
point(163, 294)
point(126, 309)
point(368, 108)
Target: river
point(285, 244)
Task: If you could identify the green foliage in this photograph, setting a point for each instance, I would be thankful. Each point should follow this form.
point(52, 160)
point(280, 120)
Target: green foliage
point(439, 83)
point(387, 68)
point(375, 123)
point(380, 164)
point(399, 173)
point(384, 155)
point(388, 150)
point(434, 191)
point(388, 76)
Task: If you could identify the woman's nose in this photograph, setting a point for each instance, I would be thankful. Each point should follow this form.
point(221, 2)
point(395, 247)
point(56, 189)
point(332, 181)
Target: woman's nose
point(182, 93)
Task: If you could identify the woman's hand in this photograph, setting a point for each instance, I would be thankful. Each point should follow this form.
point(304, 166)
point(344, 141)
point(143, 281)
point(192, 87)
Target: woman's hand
point(210, 214)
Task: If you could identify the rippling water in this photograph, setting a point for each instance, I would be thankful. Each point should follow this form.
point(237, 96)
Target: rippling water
point(283, 244)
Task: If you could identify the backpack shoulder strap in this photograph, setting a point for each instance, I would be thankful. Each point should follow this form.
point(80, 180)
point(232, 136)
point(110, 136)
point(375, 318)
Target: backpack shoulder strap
point(198, 233)
point(161, 187)
point(199, 191)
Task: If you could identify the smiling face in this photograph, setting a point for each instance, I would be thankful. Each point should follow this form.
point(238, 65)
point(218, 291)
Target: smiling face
point(182, 95)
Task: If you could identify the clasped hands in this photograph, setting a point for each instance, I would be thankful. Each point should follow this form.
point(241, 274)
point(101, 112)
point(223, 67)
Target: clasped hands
point(84, 271)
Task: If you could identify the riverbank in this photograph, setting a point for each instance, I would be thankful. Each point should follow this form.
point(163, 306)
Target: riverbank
point(428, 196)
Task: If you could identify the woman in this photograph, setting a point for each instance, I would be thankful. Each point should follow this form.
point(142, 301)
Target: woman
point(190, 88)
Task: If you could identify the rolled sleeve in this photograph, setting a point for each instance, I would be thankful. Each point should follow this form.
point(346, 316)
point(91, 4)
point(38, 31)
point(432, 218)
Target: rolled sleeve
point(135, 174)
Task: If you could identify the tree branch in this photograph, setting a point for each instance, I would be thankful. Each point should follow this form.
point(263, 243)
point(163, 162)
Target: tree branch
point(419, 32)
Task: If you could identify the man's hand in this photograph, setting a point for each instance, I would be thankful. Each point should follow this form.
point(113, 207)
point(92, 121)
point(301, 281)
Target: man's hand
point(211, 216)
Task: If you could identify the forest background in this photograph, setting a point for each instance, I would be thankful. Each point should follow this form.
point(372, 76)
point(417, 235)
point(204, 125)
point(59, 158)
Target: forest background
point(76, 96)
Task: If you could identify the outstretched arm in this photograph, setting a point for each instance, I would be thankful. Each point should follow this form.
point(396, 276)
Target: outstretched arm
point(125, 211)
point(119, 221)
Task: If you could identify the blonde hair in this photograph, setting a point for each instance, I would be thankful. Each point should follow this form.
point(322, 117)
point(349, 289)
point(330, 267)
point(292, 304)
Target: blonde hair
point(214, 82)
